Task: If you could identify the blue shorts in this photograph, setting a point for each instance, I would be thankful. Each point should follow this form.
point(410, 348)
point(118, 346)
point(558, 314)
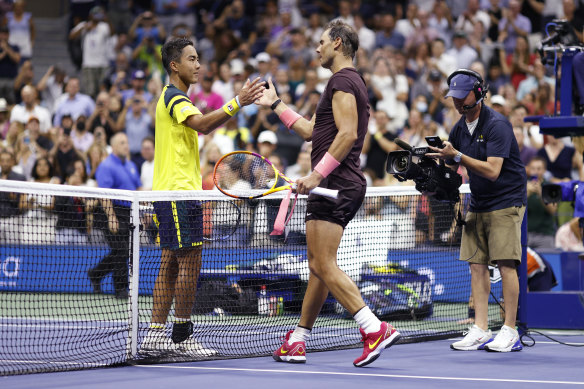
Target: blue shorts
point(340, 210)
point(180, 223)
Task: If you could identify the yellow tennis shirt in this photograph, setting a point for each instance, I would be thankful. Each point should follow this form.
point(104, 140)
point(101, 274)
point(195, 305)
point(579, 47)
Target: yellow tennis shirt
point(176, 151)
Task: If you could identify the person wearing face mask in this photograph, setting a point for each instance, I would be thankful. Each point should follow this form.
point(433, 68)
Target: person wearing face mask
point(81, 137)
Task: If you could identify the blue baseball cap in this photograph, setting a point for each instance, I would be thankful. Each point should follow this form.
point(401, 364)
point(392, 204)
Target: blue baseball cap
point(460, 86)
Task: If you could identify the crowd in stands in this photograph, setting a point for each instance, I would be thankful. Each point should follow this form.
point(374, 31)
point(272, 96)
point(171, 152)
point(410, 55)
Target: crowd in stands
point(407, 50)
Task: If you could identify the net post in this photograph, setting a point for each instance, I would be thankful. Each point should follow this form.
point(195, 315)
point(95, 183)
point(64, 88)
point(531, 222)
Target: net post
point(134, 278)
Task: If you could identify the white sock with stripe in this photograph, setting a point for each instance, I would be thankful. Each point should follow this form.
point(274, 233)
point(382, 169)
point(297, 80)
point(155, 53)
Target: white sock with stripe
point(300, 334)
point(367, 320)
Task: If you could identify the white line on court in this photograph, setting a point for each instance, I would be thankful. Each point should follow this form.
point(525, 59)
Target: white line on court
point(366, 375)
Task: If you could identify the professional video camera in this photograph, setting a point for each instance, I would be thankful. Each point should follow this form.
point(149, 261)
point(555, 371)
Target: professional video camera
point(430, 177)
point(565, 191)
point(561, 33)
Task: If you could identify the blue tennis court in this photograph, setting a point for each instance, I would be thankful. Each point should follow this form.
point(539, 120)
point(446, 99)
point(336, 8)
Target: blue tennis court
point(430, 364)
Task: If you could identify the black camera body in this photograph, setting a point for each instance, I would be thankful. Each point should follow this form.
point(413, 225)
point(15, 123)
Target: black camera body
point(561, 33)
point(430, 177)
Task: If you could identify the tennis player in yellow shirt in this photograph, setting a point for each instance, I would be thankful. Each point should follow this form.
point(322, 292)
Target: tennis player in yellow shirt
point(180, 223)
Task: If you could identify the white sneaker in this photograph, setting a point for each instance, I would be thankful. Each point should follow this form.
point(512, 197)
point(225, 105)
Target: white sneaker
point(506, 340)
point(193, 348)
point(156, 342)
point(475, 339)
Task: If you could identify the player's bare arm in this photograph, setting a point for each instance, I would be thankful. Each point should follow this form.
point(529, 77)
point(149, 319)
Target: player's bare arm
point(205, 124)
point(489, 169)
point(346, 120)
point(302, 126)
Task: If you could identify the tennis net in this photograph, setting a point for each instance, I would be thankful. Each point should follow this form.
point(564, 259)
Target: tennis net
point(401, 249)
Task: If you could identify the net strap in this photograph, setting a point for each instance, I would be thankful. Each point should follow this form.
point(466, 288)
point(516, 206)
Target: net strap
point(281, 221)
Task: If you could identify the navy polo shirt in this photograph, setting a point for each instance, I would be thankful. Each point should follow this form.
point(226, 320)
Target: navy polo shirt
point(492, 137)
point(114, 173)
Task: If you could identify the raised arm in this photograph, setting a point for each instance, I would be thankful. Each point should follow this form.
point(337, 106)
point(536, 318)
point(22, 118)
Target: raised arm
point(205, 124)
point(293, 121)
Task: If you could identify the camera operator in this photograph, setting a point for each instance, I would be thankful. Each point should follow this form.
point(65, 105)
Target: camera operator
point(483, 142)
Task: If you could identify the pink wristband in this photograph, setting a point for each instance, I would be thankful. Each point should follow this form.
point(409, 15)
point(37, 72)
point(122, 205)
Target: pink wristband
point(327, 164)
point(289, 117)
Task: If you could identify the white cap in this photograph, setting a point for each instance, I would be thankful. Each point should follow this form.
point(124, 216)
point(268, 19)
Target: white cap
point(263, 57)
point(237, 66)
point(268, 136)
point(3, 104)
point(498, 99)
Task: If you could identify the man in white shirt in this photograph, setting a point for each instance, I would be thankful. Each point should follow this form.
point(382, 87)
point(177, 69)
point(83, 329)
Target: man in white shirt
point(95, 34)
point(147, 169)
point(29, 108)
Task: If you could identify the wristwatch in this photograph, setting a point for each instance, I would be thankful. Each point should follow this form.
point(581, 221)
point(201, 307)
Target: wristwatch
point(458, 157)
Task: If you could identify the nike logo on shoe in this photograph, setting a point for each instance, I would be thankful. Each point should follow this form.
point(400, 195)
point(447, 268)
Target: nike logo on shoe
point(372, 345)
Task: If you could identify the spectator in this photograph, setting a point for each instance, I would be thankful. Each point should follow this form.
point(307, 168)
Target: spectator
point(569, 236)
point(51, 87)
point(496, 79)
point(72, 222)
point(40, 142)
point(498, 103)
point(136, 122)
point(81, 136)
point(541, 228)
point(464, 54)
point(9, 60)
point(145, 26)
point(21, 27)
point(94, 34)
point(472, 15)
point(24, 77)
point(301, 168)
point(147, 168)
point(532, 83)
point(103, 116)
point(119, 75)
point(4, 118)
point(11, 204)
point(423, 34)
point(117, 171)
point(441, 20)
point(95, 156)
point(206, 99)
point(147, 55)
point(560, 159)
point(73, 103)
point(233, 18)
point(43, 172)
point(495, 13)
point(439, 59)
point(63, 153)
point(407, 25)
point(30, 108)
point(388, 35)
point(366, 35)
point(138, 84)
point(391, 91)
point(223, 85)
point(512, 26)
point(378, 144)
point(526, 153)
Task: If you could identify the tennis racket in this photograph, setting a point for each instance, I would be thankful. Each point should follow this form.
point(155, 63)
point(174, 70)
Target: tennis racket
point(221, 219)
point(247, 175)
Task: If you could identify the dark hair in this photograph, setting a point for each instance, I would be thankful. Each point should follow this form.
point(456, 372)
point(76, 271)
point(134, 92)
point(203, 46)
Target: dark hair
point(148, 139)
point(172, 50)
point(34, 173)
point(348, 35)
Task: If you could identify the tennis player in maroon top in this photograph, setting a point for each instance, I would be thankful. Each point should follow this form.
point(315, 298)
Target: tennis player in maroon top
point(337, 131)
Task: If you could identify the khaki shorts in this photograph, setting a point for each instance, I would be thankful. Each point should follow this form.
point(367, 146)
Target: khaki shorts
point(492, 236)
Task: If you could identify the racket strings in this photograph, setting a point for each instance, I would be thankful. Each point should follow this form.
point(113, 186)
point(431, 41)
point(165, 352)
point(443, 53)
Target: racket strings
point(244, 175)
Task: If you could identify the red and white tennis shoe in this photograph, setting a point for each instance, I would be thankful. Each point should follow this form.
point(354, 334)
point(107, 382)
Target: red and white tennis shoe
point(291, 353)
point(375, 342)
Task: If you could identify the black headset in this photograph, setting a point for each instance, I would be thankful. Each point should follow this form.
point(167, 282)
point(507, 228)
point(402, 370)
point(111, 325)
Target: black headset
point(479, 88)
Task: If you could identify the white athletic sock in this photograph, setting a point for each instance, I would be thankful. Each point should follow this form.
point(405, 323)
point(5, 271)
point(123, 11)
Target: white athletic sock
point(300, 334)
point(367, 320)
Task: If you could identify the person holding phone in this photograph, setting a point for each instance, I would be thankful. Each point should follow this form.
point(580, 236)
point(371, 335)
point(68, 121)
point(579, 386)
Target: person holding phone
point(541, 223)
